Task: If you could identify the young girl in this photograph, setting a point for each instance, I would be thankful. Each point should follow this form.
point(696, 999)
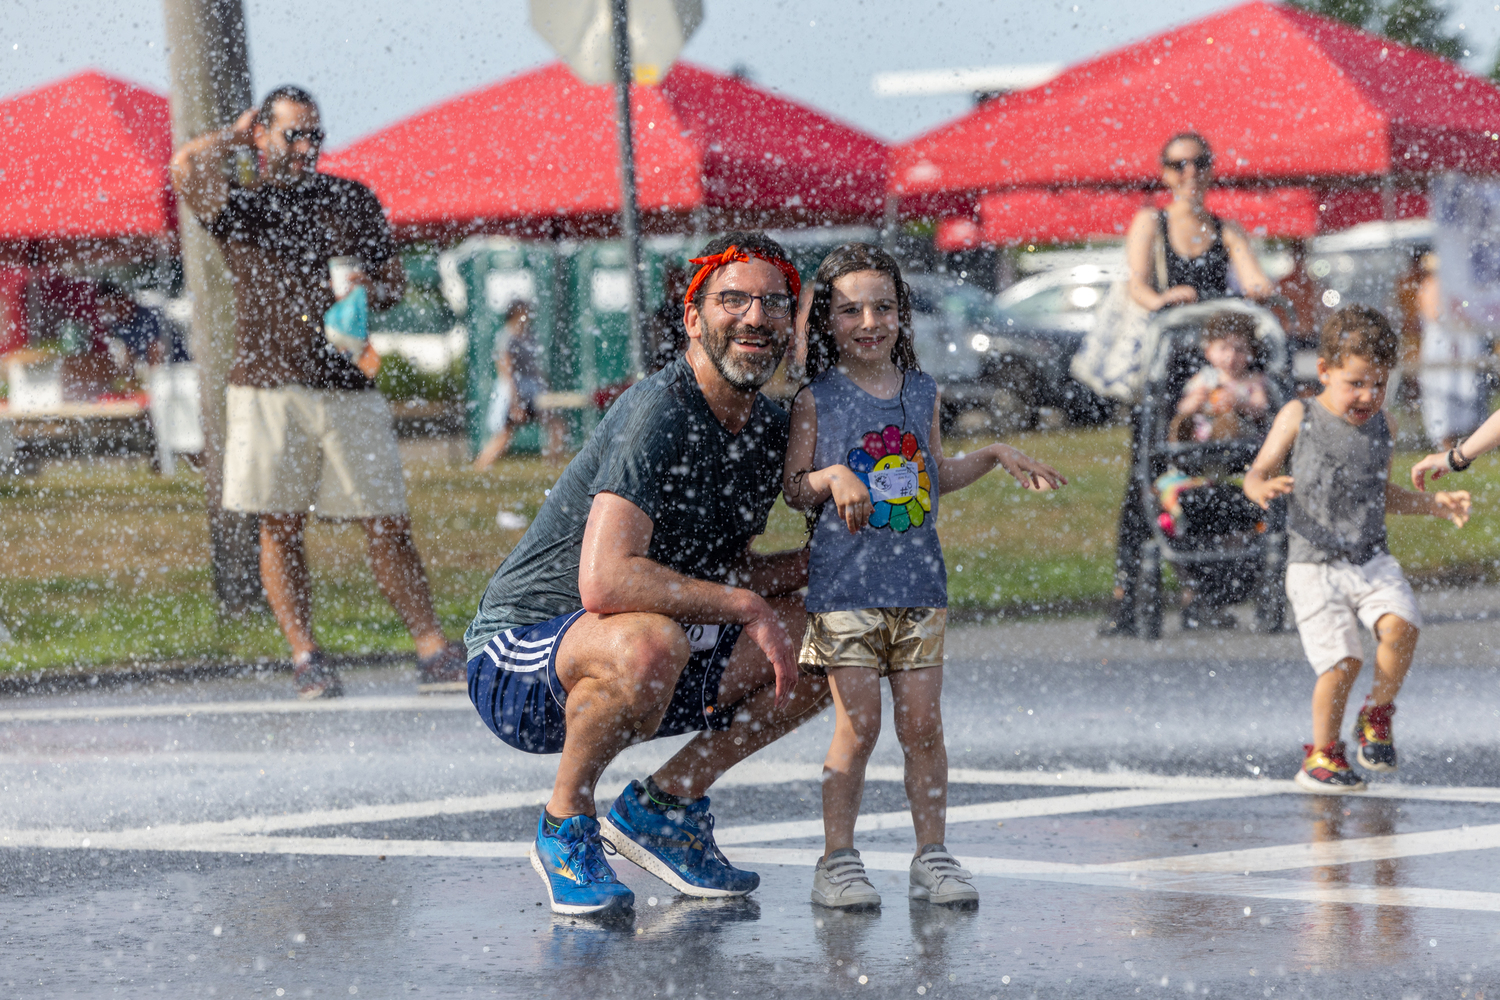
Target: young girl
point(865, 435)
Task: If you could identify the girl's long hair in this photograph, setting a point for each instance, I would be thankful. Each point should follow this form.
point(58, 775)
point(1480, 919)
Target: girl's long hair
point(822, 351)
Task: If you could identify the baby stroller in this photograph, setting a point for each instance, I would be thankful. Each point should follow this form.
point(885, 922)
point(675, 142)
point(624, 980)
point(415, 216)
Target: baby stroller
point(1223, 547)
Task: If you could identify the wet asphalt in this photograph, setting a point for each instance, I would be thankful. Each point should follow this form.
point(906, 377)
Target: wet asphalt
point(1124, 805)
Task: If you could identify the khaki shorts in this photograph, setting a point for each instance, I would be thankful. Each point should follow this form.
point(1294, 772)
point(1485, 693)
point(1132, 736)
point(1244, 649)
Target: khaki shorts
point(883, 639)
point(1331, 600)
point(292, 449)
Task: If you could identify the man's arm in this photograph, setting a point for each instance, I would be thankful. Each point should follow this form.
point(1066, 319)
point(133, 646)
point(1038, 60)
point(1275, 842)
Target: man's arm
point(772, 574)
point(198, 166)
point(615, 576)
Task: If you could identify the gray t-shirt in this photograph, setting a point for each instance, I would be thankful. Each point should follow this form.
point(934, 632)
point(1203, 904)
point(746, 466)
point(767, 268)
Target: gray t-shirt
point(708, 493)
point(896, 560)
point(1337, 509)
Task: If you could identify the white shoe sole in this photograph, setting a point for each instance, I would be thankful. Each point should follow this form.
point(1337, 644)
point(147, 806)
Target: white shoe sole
point(846, 902)
point(962, 897)
point(1312, 784)
point(642, 858)
point(1370, 765)
point(615, 905)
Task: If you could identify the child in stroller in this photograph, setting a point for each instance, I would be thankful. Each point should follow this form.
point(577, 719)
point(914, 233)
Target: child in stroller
point(1224, 401)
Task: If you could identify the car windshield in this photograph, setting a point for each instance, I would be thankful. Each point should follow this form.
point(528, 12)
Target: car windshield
point(1055, 300)
point(962, 305)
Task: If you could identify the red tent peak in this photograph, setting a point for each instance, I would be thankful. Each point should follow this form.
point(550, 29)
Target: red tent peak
point(1278, 92)
point(85, 156)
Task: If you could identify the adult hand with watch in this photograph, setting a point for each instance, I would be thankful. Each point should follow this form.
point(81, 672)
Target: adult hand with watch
point(1460, 456)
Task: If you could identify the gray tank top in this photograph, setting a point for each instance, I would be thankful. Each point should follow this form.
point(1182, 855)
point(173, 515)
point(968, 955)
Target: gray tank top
point(1337, 509)
point(895, 561)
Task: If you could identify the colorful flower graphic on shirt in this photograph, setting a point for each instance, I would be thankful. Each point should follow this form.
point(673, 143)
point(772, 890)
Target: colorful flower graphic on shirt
point(891, 465)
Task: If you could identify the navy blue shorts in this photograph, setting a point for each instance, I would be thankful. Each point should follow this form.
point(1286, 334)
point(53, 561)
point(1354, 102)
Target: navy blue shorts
point(513, 682)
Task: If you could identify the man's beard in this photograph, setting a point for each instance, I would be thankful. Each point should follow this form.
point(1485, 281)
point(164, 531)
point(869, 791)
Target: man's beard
point(745, 372)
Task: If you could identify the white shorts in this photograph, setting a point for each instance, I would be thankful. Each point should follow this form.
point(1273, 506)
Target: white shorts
point(1331, 599)
point(295, 450)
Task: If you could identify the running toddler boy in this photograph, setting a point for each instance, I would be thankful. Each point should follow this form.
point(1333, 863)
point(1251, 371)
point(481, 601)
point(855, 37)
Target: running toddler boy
point(1340, 573)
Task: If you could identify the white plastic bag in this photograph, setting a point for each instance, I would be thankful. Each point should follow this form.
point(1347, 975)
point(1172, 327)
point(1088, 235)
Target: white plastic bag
point(1113, 358)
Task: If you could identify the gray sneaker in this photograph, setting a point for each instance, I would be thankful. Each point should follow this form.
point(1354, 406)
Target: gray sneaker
point(937, 878)
point(840, 882)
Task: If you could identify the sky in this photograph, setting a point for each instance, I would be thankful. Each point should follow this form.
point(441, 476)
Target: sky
point(374, 62)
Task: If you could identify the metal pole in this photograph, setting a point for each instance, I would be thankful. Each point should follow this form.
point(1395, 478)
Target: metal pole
point(630, 223)
point(206, 55)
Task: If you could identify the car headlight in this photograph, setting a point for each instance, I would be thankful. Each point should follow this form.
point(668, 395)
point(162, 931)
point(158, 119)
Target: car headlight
point(980, 342)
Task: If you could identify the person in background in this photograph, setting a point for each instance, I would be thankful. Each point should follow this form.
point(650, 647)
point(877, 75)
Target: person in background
point(307, 430)
point(1305, 294)
point(1455, 389)
point(519, 380)
point(148, 336)
point(1201, 251)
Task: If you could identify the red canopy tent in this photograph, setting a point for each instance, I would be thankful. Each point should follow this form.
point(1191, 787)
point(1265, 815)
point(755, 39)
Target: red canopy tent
point(83, 176)
point(537, 154)
point(85, 158)
point(1315, 126)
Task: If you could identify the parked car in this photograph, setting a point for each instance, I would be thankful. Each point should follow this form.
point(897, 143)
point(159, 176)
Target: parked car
point(1006, 361)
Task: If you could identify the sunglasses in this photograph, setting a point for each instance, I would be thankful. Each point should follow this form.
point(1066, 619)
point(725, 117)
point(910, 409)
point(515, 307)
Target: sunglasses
point(776, 305)
point(1202, 161)
point(296, 135)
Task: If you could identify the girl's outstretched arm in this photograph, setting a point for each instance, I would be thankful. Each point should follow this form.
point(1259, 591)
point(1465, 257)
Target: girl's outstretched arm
point(956, 473)
point(1482, 440)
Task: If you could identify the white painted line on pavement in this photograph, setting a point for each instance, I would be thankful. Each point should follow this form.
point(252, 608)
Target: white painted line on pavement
point(98, 713)
point(1055, 805)
point(1329, 852)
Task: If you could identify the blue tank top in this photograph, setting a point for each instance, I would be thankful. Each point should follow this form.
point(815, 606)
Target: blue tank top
point(895, 561)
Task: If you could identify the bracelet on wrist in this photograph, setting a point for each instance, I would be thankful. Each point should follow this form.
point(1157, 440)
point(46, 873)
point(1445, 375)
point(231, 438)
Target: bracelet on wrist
point(1456, 460)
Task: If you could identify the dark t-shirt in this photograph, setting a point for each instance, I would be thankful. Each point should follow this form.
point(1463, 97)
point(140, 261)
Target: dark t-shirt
point(708, 493)
point(277, 242)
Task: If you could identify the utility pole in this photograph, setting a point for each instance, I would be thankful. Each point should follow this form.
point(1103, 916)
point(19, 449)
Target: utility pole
point(630, 220)
point(210, 68)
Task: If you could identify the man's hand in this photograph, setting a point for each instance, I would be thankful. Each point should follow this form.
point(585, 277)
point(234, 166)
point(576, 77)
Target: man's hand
point(1436, 463)
point(243, 130)
point(1027, 471)
point(850, 496)
point(1452, 504)
point(766, 632)
point(1263, 491)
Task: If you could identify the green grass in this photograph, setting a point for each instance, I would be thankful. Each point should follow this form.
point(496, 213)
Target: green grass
point(107, 564)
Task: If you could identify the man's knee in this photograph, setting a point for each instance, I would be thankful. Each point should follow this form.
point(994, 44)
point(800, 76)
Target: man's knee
point(648, 657)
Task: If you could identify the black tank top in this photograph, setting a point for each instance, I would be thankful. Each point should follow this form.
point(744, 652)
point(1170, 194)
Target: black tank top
point(1208, 272)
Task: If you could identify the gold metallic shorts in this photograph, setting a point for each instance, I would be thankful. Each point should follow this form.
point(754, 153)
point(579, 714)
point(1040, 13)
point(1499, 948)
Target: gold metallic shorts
point(883, 639)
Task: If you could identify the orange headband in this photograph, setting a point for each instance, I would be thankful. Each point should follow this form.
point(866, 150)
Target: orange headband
point(735, 255)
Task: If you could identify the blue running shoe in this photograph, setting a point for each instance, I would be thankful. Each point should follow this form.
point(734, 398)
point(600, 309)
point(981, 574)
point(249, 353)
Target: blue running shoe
point(674, 844)
point(579, 879)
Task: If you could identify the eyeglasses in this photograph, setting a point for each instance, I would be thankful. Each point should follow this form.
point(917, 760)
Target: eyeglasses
point(1202, 161)
point(777, 305)
point(296, 135)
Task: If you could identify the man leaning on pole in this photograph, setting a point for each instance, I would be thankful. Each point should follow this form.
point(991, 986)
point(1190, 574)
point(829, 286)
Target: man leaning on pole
point(307, 431)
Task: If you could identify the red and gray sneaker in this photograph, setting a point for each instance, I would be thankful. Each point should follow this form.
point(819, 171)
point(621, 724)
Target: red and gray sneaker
point(1372, 729)
point(1326, 770)
point(316, 678)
